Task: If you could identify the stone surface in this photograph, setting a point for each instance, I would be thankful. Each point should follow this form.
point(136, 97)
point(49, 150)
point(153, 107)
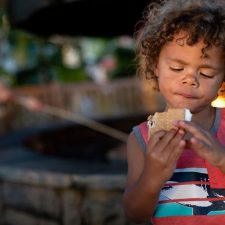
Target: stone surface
point(34, 192)
point(71, 206)
point(40, 200)
point(103, 207)
point(16, 217)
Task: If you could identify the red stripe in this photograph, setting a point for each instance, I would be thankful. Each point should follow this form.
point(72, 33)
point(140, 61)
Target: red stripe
point(193, 199)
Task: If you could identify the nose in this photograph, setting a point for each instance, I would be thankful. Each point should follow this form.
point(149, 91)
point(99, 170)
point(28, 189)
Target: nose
point(190, 80)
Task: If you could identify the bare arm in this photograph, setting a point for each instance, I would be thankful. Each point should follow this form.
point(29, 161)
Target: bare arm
point(147, 172)
point(138, 201)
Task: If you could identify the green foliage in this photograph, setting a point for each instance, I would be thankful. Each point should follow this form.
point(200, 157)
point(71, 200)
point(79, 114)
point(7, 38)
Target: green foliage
point(28, 59)
point(125, 63)
point(67, 75)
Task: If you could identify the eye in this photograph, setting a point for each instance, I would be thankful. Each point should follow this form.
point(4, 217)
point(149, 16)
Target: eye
point(205, 75)
point(176, 69)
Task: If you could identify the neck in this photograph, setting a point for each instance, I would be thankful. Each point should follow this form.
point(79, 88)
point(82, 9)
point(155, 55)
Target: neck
point(205, 118)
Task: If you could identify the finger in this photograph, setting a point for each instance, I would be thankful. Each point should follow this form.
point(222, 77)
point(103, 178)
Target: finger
point(177, 138)
point(155, 138)
point(177, 144)
point(202, 149)
point(198, 145)
point(165, 140)
point(194, 129)
point(171, 146)
point(177, 151)
point(188, 126)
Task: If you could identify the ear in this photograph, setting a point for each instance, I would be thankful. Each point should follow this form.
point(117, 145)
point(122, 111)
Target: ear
point(156, 71)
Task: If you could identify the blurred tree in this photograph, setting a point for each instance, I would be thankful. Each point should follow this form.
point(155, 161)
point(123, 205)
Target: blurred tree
point(26, 59)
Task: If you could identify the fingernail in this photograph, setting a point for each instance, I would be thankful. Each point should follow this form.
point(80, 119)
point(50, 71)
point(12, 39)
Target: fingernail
point(181, 132)
point(182, 122)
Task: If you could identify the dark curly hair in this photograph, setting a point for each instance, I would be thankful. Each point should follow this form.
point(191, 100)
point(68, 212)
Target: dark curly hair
point(162, 19)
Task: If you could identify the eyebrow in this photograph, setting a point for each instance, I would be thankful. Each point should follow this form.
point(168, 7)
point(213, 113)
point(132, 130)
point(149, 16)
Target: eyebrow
point(185, 63)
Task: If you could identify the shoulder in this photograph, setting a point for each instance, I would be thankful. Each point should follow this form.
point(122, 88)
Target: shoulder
point(135, 159)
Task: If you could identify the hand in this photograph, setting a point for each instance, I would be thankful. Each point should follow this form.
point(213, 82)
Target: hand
point(5, 93)
point(163, 150)
point(30, 103)
point(204, 144)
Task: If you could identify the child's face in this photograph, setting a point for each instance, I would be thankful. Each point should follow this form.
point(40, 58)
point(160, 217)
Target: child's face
point(186, 78)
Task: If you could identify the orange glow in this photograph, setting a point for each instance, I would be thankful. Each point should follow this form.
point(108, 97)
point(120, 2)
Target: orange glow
point(219, 102)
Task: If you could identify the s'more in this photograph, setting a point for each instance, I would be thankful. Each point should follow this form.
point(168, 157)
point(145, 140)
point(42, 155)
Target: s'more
point(164, 120)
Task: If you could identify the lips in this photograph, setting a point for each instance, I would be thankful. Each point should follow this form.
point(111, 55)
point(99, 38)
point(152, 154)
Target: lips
point(187, 95)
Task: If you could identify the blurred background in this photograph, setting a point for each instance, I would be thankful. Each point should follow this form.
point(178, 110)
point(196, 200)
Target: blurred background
point(76, 55)
point(66, 163)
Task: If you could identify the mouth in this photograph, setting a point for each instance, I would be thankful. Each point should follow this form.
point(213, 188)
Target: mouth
point(187, 95)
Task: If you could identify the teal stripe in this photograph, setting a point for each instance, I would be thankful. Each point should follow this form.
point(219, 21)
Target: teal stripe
point(172, 209)
point(216, 212)
point(175, 209)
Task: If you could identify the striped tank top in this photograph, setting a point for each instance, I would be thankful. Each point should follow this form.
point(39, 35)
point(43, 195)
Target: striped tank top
point(195, 194)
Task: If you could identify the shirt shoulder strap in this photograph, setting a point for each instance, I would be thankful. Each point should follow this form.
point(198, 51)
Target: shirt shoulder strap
point(141, 133)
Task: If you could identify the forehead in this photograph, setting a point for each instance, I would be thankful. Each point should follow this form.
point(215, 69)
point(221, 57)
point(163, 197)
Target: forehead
point(179, 47)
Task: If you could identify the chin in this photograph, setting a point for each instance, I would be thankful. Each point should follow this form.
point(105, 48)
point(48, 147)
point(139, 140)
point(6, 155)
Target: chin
point(180, 106)
point(192, 106)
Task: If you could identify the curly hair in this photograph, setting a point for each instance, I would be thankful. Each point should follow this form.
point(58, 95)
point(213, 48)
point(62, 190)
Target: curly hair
point(162, 19)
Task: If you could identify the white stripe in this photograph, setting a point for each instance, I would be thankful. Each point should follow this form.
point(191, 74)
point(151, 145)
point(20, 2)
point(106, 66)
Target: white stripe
point(186, 192)
point(196, 170)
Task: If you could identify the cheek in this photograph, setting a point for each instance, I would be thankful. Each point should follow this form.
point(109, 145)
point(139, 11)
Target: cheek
point(165, 81)
point(213, 91)
point(164, 88)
